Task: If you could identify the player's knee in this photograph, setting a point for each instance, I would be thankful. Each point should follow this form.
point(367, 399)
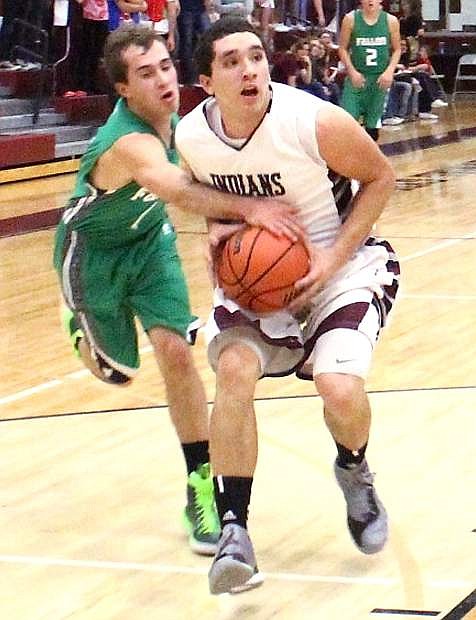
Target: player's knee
point(339, 392)
point(173, 352)
point(238, 365)
point(100, 368)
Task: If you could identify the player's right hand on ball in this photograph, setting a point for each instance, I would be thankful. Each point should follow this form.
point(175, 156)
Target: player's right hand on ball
point(279, 218)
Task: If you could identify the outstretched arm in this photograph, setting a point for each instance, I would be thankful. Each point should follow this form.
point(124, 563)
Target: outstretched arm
point(141, 157)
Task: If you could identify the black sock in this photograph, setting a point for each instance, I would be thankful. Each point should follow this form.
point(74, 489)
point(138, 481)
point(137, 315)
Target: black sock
point(347, 458)
point(195, 454)
point(373, 133)
point(232, 496)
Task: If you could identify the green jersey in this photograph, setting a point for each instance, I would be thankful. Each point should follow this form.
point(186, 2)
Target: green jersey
point(117, 217)
point(370, 44)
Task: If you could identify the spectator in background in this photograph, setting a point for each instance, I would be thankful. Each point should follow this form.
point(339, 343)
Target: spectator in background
point(322, 72)
point(120, 9)
point(412, 26)
point(240, 8)
point(265, 9)
point(163, 15)
point(192, 21)
point(95, 28)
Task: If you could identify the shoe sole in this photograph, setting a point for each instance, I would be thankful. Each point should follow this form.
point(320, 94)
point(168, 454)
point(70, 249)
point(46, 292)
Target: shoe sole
point(255, 581)
point(197, 546)
point(227, 574)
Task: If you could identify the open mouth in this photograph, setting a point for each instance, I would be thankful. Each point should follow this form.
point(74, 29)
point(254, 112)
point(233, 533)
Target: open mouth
point(168, 95)
point(251, 91)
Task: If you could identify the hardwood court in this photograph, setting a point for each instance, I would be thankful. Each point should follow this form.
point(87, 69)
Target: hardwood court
point(92, 479)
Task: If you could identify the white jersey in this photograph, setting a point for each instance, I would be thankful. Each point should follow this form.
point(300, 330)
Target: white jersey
point(280, 159)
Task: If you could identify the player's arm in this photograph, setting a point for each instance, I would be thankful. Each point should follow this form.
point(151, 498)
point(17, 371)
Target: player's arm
point(349, 151)
point(142, 158)
point(347, 26)
point(386, 78)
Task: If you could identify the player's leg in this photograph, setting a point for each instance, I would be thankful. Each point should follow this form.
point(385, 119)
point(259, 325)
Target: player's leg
point(100, 327)
point(341, 333)
point(160, 300)
point(189, 414)
point(351, 99)
point(234, 449)
point(374, 107)
point(241, 348)
point(340, 367)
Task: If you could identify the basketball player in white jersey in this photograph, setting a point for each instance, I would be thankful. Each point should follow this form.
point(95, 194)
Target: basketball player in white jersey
point(253, 137)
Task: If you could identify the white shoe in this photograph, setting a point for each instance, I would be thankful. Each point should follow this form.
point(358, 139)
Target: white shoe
point(439, 103)
point(393, 120)
point(428, 116)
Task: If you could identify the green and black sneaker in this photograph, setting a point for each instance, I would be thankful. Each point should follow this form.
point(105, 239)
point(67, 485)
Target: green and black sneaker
point(71, 327)
point(200, 516)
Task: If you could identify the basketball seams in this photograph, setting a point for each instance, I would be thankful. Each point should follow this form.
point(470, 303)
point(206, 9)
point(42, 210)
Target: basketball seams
point(271, 265)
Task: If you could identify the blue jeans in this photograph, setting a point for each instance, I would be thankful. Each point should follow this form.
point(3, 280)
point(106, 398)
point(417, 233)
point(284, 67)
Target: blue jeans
point(190, 25)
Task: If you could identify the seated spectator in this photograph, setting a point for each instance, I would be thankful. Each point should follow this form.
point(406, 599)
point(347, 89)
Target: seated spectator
point(322, 72)
point(412, 26)
point(402, 103)
point(430, 91)
point(423, 63)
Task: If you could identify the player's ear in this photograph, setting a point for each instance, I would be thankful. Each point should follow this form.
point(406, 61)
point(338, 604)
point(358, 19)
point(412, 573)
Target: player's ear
point(121, 88)
point(206, 83)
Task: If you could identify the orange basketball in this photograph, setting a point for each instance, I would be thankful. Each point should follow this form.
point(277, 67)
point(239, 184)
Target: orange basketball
point(258, 270)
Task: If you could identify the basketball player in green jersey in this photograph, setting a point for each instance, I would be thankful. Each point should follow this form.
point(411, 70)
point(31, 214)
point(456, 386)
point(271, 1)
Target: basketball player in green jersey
point(116, 257)
point(369, 47)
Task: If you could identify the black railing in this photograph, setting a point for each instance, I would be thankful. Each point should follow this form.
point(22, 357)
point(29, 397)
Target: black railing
point(32, 45)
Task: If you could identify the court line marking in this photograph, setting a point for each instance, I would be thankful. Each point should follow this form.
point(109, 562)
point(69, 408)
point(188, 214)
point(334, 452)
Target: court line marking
point(78, 374)
point(189, 570)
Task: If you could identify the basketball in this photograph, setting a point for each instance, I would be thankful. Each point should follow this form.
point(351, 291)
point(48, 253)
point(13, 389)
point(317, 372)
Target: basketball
point(258, 270)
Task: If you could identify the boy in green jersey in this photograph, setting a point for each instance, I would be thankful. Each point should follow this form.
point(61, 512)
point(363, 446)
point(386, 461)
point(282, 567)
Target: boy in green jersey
point(370, 49)
point(116, 256)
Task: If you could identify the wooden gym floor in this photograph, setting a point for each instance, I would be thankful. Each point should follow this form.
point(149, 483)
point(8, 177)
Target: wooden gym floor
point(92, 479)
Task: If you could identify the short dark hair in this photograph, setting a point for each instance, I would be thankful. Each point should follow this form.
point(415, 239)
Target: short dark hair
point(205, 52)
point(118, 41)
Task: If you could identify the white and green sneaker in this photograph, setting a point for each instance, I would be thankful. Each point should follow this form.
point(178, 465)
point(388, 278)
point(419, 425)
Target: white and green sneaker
point(200, 516)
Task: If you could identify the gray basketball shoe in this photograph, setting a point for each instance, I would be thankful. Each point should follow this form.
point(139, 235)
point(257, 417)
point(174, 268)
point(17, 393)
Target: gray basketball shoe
point(366, 516)
point(234, 564)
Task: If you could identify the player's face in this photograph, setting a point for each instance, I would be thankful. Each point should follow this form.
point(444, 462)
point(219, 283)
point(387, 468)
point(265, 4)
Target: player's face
point(370, 5)
point(240, 74)
point(151, 88)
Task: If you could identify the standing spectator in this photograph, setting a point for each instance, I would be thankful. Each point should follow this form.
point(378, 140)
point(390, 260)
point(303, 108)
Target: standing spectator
point(370, 49)
point(192, 21)
point(95, 28)
point(163, 15)
point(119, 9)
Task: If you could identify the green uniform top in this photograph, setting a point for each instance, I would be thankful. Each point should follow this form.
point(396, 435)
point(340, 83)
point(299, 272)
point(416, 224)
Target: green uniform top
point(370, 45)
point(118, 217)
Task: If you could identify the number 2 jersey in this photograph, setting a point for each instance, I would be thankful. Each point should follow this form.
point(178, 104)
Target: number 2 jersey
point(370, 44)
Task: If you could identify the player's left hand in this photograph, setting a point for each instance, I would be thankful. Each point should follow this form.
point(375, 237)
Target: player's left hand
point(385, 80)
